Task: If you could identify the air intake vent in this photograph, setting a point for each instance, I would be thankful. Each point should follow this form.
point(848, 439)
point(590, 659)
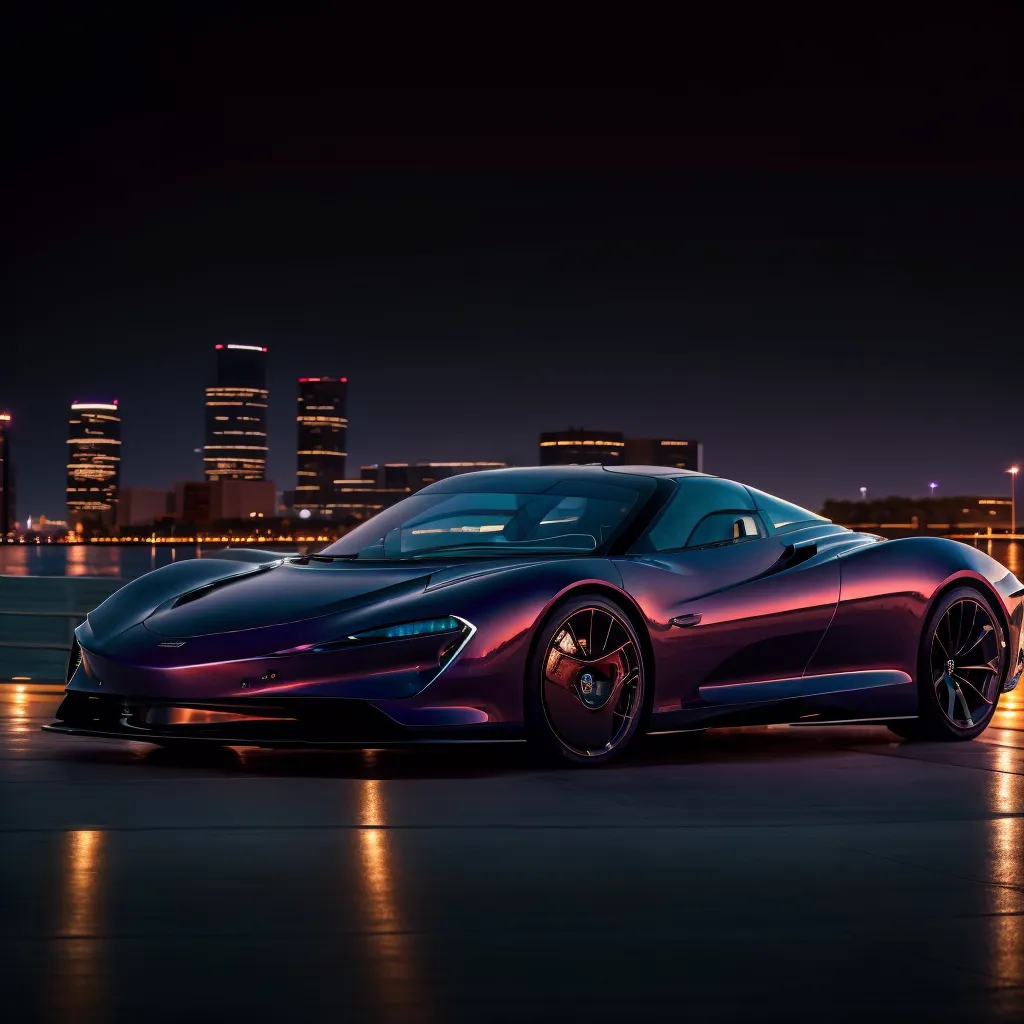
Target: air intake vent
point(194, 595)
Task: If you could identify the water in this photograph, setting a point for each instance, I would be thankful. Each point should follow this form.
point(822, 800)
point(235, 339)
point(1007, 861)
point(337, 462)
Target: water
point(132, 560)
point(126, 561)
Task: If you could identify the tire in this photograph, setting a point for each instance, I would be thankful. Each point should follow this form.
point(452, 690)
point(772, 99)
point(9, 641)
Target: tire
point(962, 663)
point(588, 688)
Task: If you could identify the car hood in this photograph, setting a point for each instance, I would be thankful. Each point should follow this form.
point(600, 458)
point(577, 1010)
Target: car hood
point(207, 596)
point(275, 596)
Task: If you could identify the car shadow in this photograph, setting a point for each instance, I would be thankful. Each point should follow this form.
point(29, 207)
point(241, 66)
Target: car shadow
point(482, 760)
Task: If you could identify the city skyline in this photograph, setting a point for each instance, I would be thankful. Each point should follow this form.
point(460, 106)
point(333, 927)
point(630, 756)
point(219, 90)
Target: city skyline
point(237, 405)
point(818, 297)
point(281, 460)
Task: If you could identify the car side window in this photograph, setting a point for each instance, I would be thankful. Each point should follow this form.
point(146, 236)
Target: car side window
point(726, 528)
point(782, 513)
point(693, 501)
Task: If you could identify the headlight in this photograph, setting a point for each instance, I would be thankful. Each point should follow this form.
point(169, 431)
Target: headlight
point(459, 629)
point(449, 624)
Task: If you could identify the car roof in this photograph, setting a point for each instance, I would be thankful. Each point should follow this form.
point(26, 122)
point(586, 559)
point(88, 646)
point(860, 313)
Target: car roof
point(534, 477)
point(651, 470)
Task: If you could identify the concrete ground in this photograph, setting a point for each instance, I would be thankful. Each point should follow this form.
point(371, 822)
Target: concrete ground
point(772, 874)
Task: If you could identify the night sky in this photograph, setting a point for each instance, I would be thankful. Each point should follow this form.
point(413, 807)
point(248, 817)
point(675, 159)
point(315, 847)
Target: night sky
point(823, 282)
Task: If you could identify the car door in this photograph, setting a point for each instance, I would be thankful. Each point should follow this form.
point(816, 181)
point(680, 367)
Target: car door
point(729, 599)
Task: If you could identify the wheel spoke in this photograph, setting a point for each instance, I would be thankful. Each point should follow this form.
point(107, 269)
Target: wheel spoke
point(630, 712)
point(952, 638)
point(608, 635)
point(961, 679)
point(963, 703)
point(969, 630)
point(985, 630)
point(951, 696)
point(572, 635)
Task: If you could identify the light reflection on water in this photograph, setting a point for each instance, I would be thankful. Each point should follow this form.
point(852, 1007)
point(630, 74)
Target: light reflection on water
point(112, 560)
point(132, 560)
point(79, 990)
point(395, 973)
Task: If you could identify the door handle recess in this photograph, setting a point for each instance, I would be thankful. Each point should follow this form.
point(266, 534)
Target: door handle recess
point(691, 619)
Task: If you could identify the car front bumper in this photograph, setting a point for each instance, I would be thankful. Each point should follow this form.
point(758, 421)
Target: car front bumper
point(294, 722)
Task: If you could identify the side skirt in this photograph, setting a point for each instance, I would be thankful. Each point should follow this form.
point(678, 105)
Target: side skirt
point(879, 695)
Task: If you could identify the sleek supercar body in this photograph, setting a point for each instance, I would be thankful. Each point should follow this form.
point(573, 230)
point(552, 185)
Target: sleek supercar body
point(572, 606)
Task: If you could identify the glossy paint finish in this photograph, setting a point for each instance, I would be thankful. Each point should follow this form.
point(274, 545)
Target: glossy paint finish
point(774, 628)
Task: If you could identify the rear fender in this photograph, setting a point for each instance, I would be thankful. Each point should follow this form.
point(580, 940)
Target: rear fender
point(887, 592)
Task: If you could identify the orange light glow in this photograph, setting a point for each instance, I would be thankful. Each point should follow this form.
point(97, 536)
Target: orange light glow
point(78, 990)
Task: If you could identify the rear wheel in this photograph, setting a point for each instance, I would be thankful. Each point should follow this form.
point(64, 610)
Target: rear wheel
point(961, 667)
point(586, 688)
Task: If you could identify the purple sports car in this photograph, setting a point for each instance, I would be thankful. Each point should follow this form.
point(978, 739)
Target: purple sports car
point(575, 607)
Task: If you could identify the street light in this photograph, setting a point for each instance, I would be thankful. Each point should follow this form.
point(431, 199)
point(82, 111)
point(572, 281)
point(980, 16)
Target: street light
point(863, 493)
point(1013, 471)
point(933, 485)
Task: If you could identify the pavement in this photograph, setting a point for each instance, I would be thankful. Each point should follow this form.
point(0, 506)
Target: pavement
point(780, 874)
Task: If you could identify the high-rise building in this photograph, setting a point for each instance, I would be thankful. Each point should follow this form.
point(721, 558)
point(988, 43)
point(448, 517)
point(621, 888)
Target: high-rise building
point(94, 461)
point(192, 500)
point(143, 506)
point(203, 502)
point(568, 447)
point(236, 415)
point(8, 511)
point(322, 428)
point(243, 499)
point(656, 451)
point(413, 476)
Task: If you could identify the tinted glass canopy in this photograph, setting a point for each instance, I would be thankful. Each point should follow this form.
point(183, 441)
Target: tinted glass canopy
point(782, 513)
point(694, 499)
point(467, 518)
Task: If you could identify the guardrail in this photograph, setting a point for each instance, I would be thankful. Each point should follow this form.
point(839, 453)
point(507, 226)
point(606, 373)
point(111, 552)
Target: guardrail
point(38, 616)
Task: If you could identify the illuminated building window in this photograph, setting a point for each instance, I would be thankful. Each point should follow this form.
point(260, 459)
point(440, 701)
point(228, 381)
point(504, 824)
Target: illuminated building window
point(321, 425)
point(235, 415)
point(94, 461)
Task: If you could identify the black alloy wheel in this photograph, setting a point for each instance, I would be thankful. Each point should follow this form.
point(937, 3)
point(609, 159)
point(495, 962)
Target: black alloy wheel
point(586, 690)
point(962, 664)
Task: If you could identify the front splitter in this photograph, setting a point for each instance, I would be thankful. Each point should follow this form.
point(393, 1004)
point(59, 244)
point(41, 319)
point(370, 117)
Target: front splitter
point(488, 734)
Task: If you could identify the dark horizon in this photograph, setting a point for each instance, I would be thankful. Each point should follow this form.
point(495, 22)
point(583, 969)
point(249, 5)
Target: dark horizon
point(822, 286)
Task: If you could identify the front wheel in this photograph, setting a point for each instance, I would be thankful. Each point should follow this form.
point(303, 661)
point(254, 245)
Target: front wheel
point(586, 687)
point(961, 667)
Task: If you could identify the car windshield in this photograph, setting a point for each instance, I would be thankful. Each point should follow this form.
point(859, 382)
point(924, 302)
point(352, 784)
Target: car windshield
point(485, 524)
